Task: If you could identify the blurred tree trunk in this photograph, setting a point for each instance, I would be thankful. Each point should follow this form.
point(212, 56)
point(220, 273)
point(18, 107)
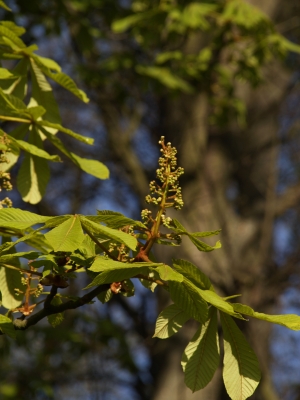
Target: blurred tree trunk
point(230, 182)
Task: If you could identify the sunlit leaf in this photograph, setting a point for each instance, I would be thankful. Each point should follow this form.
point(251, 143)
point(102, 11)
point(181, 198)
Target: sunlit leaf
point(201, 356)
point(67, 236)
point(241, 371)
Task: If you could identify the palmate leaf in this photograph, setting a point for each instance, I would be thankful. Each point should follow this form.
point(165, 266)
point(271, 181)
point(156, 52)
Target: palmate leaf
point(241, 371)
point(169, 321)
point(114, 234)
point(290, 321)
point(187, 297)
point(201, 357)
point(13, 39)
point(192, 273)
point(67, 236)
point(62, 79)
point(18, 219)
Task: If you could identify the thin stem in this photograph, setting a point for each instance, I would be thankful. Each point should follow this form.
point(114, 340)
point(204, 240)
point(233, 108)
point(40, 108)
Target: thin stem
point(26, 271)
point(26, 121)
point(100, 245)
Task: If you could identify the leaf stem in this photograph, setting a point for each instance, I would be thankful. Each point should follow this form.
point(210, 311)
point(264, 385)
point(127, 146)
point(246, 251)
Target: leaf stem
point(26, 271)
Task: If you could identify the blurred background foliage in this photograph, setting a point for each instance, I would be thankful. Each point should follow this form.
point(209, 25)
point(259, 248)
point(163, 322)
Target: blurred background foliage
point(220, 80)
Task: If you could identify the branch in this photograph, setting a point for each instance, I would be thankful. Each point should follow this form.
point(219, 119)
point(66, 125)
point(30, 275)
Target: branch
point(50, 309)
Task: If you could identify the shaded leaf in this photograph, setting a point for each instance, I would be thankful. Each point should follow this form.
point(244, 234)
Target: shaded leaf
point(186, 297)
point(56, 319)
point(169, 321)
point(7, 326)
point(192, 273)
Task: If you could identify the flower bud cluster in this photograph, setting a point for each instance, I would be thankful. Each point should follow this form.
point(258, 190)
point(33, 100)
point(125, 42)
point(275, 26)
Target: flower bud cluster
point(5, 176)
point(38, 291)
point(146, 215)
point(166, 221)
point(168, 174)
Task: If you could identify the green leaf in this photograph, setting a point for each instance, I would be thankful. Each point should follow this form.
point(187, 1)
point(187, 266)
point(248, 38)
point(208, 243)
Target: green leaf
point(62, 79)
point(166, 273)
point(67, 236)
point(47, 62)
point(69, 132)
point(148, 284)
point(104, 297)
point(217, 301)
point(42, 95)
point(206, 234)
point(101, 263)
point(169, 321)
point(166, 77)
point(128, 288)
point(30, 255)
point(92, 167)
point(5, 73)
point(117, 275)
point(33, 178)
point(186, 297)
point(192, 273)
point(123, 24)
point(168, 55)
point(16, 29)
point(7, 326)
point(10, 280)
point(193, 237)
point(32, 149)
point(13, 40)
point(202, 355)
point(116, 235)
point(115, 219)
point(56, 319)
point(18, 85)
point(243, 14)
point(3, 5)
point(18, 219)
point(290, 321)
point(194, 15)
point(241, 371)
